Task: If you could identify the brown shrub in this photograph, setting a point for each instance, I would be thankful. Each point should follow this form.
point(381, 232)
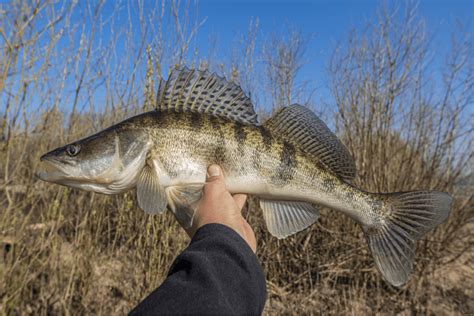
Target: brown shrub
point(68, 251)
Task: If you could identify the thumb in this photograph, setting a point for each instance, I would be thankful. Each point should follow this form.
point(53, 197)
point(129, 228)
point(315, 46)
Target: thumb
point(214, 181)
point(214, 173)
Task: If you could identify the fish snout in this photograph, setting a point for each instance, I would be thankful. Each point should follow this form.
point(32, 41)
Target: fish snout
point(48, 169)
point(44, 157)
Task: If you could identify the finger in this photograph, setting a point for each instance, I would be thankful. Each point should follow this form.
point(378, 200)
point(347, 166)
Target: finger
point(240, 200)
point(214, 173)
point(214, 181)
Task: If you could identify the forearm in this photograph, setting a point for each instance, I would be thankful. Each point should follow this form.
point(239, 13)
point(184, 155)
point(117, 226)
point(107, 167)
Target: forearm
point(217, 273)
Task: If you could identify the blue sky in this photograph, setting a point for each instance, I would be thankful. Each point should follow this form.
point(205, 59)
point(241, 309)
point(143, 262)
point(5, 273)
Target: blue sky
point(327, 21)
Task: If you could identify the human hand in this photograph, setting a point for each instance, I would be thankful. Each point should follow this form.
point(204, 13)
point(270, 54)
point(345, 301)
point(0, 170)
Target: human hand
point(217, 205)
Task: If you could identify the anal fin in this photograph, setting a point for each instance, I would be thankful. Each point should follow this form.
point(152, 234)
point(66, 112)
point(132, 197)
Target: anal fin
point(285, 218)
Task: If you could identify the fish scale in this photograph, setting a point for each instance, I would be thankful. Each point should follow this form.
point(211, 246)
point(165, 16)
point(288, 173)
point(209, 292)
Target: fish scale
point(292, 162)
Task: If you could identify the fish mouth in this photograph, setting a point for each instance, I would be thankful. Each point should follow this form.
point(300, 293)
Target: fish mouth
point(61, 172)
point(53, 170)
point(50, 170)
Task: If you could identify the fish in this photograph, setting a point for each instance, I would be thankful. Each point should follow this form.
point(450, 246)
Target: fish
point(292, 162)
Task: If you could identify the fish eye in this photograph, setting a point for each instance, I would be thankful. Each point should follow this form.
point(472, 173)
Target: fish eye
point(73, 150)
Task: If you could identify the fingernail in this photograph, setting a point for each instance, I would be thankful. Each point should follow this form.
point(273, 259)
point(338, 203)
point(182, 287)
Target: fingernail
point(214, 171)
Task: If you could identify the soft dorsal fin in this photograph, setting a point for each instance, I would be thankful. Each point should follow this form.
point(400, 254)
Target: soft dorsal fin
point(301, 127)
point(203, 92)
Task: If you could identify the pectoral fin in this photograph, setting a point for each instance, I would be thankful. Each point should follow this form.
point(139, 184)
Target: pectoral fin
point(151, 195)
point(183, 200)
point(285, 218)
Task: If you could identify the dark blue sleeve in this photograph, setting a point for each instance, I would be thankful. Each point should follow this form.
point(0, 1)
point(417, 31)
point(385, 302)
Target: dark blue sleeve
point(217, 273)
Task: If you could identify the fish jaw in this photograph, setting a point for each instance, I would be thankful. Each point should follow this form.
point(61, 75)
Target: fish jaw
point(59, 174)
point(57, 171)
point(50, 171)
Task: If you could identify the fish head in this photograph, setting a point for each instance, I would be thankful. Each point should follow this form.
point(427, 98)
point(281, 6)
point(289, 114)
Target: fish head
point(107, 162)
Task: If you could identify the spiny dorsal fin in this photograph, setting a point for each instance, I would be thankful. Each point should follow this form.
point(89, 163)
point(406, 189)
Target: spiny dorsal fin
point(301, 127)
point(203, 92)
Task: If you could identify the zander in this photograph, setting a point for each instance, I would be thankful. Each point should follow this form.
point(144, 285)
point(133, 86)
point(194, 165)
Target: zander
point(292, 162)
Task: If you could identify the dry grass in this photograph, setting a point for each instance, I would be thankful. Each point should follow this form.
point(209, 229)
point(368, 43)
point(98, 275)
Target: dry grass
point(65, 251)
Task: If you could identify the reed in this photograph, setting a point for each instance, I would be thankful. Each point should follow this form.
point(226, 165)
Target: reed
point(407, 124)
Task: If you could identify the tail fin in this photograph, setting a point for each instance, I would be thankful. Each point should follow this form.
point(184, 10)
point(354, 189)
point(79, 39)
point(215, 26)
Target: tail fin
point(408, 217)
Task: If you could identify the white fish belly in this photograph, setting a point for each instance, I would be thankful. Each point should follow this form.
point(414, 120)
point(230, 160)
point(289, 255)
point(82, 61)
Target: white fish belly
point(334, 199)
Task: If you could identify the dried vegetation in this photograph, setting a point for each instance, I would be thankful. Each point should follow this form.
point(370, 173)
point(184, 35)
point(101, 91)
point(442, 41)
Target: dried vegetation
point(406, 119)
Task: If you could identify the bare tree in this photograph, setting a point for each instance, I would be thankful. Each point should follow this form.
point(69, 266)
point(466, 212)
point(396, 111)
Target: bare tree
point(64, 251)
point(408, 127)
point(283, 57)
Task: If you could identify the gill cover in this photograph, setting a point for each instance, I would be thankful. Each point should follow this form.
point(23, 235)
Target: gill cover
point(107, 162)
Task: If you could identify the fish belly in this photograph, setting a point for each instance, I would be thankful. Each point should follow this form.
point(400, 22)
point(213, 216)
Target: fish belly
point(335, 195)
